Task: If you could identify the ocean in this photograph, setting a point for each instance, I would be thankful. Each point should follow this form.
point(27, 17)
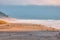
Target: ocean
point(32, 12)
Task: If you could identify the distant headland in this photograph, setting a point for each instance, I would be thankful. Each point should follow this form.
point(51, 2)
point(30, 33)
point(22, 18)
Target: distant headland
point(3, 14)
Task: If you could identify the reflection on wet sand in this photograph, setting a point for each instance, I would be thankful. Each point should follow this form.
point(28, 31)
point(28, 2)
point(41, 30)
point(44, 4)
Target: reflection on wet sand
point(25, 27)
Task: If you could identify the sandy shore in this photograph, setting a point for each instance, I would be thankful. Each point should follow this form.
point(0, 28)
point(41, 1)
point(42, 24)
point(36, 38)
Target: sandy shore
point(25, 27)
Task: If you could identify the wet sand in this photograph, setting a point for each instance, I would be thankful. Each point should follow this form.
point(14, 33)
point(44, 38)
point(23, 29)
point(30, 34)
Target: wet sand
point(25, 27)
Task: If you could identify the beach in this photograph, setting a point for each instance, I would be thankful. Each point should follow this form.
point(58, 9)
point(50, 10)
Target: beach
point(27, 30)
point(25, 27)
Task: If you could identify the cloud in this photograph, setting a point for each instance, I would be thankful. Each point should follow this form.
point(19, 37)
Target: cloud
point(30, 2)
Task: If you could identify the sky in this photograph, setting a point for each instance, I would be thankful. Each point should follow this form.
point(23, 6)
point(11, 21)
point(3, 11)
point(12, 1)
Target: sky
point(30, 2)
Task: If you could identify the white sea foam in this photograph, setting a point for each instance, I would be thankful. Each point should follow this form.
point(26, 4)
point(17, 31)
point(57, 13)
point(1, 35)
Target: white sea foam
point(48, 23)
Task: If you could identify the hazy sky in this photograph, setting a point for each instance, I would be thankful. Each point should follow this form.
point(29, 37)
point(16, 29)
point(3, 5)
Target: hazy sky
point(29, 2)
